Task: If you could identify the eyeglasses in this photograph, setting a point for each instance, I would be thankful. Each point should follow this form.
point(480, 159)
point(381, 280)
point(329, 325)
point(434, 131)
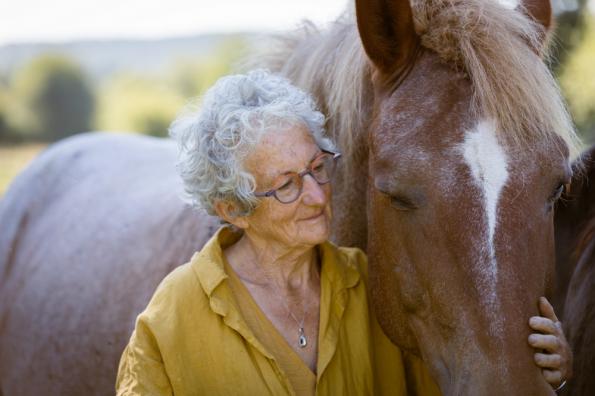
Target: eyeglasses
point(321, 169)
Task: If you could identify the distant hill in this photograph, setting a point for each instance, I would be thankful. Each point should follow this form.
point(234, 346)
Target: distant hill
point(101, 58)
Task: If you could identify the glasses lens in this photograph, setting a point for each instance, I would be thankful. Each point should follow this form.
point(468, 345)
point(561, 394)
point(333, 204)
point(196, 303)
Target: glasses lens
point(289, 190)
point(323, 167)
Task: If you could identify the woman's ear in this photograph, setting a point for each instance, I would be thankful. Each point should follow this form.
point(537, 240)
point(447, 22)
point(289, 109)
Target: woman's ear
point(227, 211)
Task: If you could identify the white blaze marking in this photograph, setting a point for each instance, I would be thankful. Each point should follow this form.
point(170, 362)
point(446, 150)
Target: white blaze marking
point(488, 163)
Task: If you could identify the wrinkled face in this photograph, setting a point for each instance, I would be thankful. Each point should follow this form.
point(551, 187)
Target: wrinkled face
point(461, 236)
point(304, 222)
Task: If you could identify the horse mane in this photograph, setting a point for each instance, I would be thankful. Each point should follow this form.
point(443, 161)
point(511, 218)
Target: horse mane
point(331, 65)
point(496, 46)
point(499, 49)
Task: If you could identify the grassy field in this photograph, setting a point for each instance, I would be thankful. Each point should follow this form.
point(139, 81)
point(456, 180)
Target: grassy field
point(14, 159)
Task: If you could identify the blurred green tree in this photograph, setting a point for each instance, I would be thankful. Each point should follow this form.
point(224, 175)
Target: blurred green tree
point(577, 79)
point(191, 77)
point(132, 103)
point(570, 28)
point(148, 104)
point(55, 99)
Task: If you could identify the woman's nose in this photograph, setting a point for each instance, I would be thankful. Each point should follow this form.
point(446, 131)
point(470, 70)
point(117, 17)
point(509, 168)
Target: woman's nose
point(314, 193)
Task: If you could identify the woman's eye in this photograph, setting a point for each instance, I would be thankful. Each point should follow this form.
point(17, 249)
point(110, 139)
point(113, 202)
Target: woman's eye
point(285, 186)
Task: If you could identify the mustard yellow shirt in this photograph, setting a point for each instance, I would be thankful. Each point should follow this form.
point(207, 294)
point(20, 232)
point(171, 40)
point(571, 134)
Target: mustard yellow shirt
point(192, 340)
point(300, 376)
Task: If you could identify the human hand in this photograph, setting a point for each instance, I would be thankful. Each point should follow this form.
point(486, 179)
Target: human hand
point(553, 355)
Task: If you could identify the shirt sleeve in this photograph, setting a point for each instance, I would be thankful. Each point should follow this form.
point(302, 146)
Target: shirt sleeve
point(141, 370)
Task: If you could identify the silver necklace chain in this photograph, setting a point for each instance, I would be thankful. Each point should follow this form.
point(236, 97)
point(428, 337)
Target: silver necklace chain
point(302, 339)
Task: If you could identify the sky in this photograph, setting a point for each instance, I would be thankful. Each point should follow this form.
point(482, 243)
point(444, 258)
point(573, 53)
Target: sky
point(66, 20)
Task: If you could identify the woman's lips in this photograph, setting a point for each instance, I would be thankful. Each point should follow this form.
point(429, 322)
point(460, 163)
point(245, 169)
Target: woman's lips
point(316, 216)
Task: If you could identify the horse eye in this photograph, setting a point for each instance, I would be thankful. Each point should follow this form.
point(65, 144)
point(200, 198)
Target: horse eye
point(401, 203)
point(397, 201)
point(555, 196)
point(558, 192)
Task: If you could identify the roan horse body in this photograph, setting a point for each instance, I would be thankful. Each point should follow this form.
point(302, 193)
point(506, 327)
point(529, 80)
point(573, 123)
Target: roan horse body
point(88, 231)
point(455, 154)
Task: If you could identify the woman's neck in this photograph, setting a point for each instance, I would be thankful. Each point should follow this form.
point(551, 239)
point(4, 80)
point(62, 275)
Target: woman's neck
point(259, 262)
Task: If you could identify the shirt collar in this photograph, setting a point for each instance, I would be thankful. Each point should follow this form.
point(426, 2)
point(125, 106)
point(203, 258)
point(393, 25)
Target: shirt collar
point(208, 263)
point(338, 274)
point(342, 273)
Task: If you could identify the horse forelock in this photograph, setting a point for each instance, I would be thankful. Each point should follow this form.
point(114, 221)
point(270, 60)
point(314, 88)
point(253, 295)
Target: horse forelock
point(497, 47)
point(494, 44)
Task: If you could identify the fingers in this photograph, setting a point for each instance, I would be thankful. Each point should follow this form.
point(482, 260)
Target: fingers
point(543, 325)
point(548, 342)
point(546, 361)
point(555, 355)
point(553, 377)
point(546, 309)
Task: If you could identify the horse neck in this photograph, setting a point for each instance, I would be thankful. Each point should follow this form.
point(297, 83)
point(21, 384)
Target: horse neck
point(350, 221)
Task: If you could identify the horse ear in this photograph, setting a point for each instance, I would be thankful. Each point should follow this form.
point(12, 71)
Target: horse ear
point(387, 32)
point(540, 11)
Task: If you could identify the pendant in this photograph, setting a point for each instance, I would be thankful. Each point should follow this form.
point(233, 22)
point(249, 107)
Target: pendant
point(302, 341)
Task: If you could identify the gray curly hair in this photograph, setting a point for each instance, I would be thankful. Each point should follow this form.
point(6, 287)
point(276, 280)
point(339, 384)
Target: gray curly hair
point(235, 113)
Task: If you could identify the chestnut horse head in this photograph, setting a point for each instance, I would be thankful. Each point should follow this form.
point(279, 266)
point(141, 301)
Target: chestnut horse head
point(459, 146)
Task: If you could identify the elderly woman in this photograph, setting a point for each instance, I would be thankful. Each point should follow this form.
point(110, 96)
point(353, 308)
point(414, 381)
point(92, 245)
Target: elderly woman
point(268, 306)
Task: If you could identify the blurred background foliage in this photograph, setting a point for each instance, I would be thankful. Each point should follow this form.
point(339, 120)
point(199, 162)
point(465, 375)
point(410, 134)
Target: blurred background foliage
point(577, 79)
point(132, 103)
point(52, 96)
point(147, 104)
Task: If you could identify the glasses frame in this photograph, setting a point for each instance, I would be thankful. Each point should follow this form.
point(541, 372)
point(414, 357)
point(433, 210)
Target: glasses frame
point(307, 171)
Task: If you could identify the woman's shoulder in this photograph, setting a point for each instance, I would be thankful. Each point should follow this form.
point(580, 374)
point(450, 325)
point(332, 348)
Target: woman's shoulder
point(350, 257)
point(176, 292)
